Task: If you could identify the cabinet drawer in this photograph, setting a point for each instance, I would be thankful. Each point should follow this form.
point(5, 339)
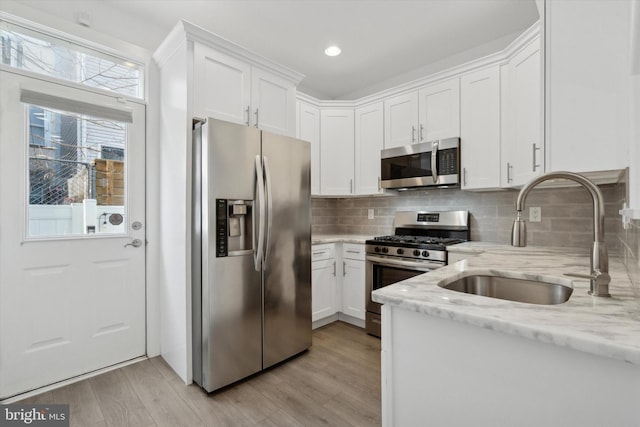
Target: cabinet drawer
point(323, 251)
point(353, 251)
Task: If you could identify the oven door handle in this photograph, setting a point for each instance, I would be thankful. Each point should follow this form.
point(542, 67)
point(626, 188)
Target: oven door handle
point(426, 266)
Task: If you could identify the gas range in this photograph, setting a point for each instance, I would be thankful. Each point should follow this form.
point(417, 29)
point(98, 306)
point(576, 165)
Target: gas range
point(416, 247)
point(422, 235)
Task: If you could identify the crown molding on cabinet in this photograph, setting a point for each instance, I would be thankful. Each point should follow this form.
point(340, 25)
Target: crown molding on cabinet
point(498, 58)
point(198, 34)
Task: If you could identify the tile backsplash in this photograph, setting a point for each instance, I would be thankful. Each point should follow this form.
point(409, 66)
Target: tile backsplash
point(566, 214)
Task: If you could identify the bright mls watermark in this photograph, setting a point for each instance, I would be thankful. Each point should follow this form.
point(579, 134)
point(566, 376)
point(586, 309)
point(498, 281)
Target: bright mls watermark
point(34, 415)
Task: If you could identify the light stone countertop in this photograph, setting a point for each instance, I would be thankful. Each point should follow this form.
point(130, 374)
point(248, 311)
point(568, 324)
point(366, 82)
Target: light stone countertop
point(317, 239)
point(608, 327)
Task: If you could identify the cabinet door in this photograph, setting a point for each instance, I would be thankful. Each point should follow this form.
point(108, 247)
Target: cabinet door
point(439, 109)
point(588, 84)
point(353, 288)
point(480, 129)
point(309, 130)
point(221, 86)
point(336, 152)
point(273, 103)
point(525, 152)
point(369, 140)
point(323, 289)
point(401, 120)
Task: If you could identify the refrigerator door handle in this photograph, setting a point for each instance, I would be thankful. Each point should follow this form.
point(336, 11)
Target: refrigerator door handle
point(267, 174)
point(257, 258)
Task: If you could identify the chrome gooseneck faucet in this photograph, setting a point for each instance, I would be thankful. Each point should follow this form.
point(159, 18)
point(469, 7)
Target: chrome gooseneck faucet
point(599, 257)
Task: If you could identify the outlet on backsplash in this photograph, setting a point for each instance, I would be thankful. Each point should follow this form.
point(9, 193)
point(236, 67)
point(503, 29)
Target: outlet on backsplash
point(535, 214)
point(370, 214)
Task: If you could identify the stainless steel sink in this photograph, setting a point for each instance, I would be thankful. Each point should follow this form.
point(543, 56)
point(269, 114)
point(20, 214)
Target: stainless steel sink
point(520, 290)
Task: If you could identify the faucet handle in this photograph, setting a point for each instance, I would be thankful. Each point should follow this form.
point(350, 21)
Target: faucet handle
point(599, 282)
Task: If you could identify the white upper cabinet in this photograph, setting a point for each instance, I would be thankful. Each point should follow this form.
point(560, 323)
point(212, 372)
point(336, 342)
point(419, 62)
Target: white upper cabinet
point(588, 84)
point(400, 120)
point(222, 86)
point(369, 125)
point(480, 129)
point(429, 114)
point(309, 130)
point(273, 100)
point(230, 89)
point(337, 151)
point(523, 146)
point(439, 111)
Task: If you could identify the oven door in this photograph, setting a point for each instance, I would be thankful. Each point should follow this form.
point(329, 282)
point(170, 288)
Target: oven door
point(384, 271)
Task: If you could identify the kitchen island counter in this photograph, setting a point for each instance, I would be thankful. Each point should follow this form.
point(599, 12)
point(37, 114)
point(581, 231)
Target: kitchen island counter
point(450, 357)
point(607, 327)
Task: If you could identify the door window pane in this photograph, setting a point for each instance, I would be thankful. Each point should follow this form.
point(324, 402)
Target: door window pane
point(76, 174)
point(40, 53)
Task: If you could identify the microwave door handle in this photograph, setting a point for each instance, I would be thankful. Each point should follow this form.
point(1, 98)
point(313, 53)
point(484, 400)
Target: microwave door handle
point(434, 161)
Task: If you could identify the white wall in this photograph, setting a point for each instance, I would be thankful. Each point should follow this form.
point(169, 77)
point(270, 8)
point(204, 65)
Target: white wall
point(634, 146)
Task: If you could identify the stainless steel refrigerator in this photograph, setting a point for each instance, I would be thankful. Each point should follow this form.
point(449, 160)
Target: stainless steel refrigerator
point(251, 251)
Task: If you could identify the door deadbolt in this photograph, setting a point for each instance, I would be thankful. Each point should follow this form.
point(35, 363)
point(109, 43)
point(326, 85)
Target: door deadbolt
point(137, 225)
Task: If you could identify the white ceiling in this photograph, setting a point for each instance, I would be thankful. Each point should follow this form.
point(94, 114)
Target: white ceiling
point(381, 41)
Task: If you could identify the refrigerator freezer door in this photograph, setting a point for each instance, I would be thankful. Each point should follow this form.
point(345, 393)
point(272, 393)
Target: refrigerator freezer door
point(231, 286)
point(287, 266)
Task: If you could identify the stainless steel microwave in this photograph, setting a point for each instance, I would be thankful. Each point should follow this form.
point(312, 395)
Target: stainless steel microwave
point(435, 163)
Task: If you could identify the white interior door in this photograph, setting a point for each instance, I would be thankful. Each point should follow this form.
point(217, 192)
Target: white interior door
point(72, 293)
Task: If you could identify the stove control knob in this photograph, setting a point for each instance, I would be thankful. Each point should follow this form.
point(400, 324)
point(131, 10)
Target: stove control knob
point(377, 249)
point(416, 252)
point(425, 253)
point(400, 251)
point(385, 250)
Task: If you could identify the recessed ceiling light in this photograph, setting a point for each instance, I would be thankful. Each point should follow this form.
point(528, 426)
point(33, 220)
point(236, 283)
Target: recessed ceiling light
point(332, 51)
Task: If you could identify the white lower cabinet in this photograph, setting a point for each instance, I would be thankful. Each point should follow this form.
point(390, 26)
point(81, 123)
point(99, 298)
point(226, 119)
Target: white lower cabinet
point(324, 282)
point(338, 283)
point(353, 280)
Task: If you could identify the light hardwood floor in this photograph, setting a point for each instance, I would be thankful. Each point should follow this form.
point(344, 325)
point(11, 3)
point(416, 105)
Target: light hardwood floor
point(335, 383)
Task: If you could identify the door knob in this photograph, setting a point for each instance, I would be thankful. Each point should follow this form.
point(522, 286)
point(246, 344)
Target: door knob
point(136, 243)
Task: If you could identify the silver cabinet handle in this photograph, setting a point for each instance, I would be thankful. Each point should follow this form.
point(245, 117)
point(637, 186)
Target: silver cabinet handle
point(334, 268)
point(256, 113)
point(351, 186)
point(421, 131)
point(534, 156)
point(344, 268)
point(379, 187)
point(351, 251)
point(464, 176)
point(434, 160)
point(413, 134)
point(248, 115)
point(509, 167)
point(136, 243)
point(318, 252)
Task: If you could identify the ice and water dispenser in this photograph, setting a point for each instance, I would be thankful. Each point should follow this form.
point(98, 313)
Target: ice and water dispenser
point(233, 227)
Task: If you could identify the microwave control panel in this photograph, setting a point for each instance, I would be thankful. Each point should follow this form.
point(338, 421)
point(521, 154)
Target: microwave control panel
point(448, 161)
